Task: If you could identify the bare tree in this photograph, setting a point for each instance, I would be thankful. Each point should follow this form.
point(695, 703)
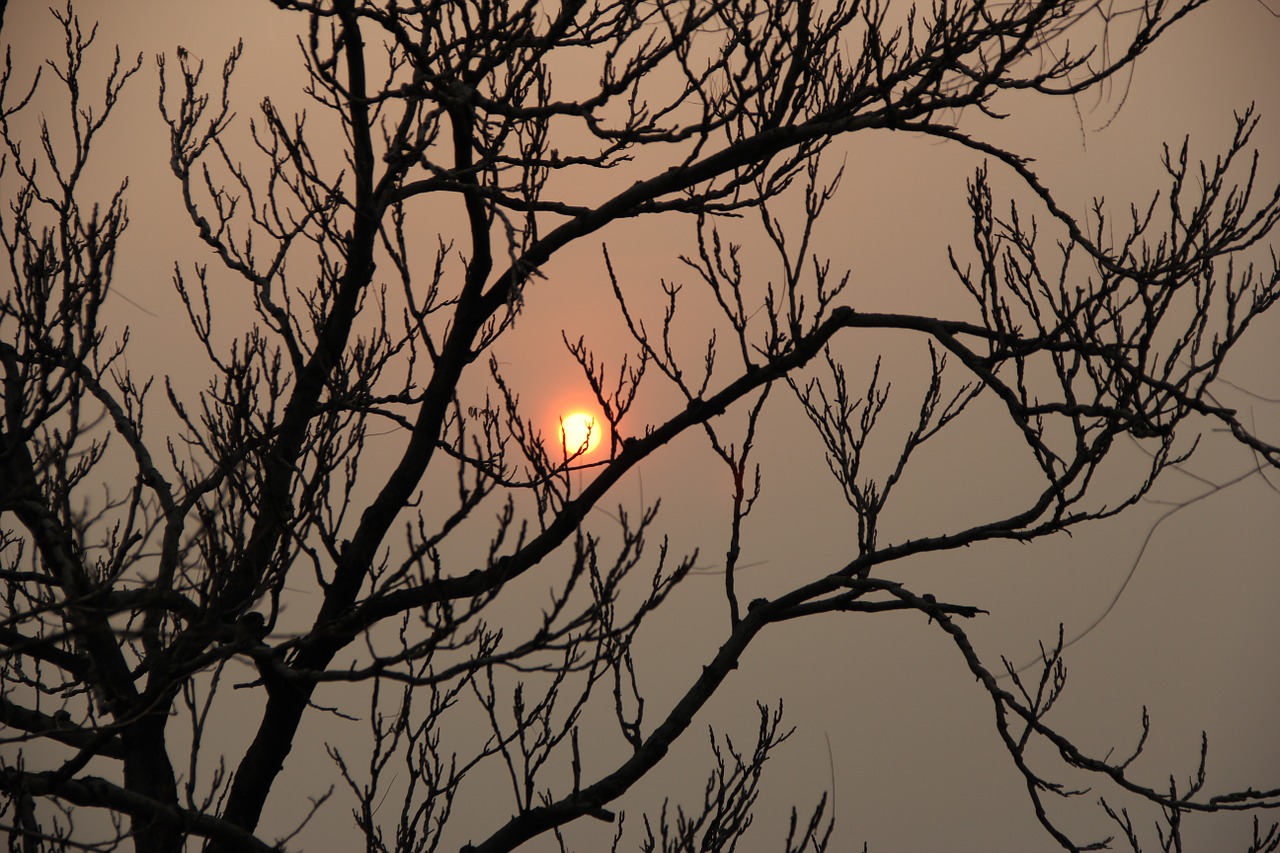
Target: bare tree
point(143, 570)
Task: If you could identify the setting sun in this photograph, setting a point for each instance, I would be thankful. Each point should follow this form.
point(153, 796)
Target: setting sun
point(580, 432)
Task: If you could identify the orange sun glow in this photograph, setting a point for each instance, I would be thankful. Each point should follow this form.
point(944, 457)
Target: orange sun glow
point(580, 432)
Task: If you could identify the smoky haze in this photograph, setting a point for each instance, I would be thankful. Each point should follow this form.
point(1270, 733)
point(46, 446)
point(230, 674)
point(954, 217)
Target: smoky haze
point(889, 722)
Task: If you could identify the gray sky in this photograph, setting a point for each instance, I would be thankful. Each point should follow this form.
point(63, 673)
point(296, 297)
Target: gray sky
point(914, 756)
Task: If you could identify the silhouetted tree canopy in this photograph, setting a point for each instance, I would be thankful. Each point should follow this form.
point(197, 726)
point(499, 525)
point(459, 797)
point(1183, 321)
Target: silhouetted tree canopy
point(341, 516)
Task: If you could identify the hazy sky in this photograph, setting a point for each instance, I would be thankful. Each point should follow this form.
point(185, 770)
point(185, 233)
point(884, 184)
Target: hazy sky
point(915, 758)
